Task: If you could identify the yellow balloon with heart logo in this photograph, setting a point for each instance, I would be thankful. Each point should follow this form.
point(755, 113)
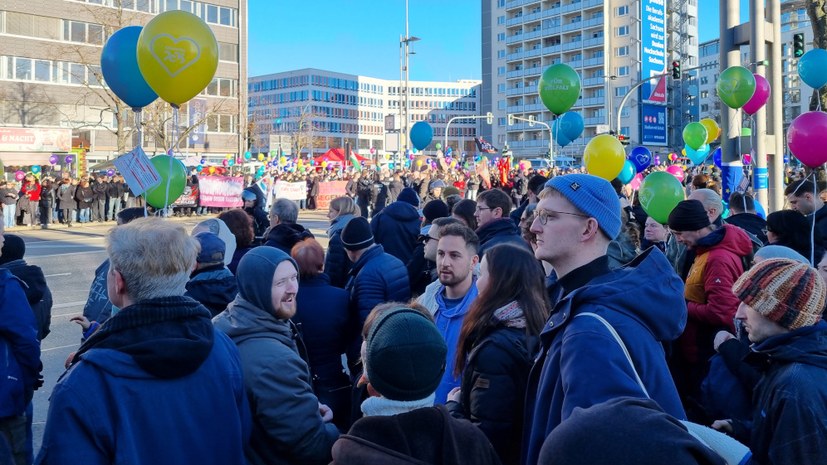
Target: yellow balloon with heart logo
point(177, 55)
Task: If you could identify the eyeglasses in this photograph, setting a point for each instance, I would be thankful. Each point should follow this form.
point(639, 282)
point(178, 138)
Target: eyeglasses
point(424, 238)
point(479, 209)
point(765, 231)
point(544, 215)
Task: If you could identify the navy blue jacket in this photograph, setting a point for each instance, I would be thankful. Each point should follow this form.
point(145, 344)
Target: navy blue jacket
point(396, 228)
point(37, 293)
point(500, 231)
point(336, 263)
point(322, 318)
point(580, 362)
point(214, 287)
point(375, 278)
point(19, 348)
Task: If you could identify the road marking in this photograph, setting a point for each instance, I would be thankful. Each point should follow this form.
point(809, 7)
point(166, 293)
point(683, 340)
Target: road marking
point(62, 246)
point(56, 348)
point(69, 304)
point(35, 257)
point(57, 274)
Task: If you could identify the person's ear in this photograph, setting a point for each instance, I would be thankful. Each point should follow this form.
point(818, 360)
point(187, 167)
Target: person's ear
point(591, 230)
point(373, 392)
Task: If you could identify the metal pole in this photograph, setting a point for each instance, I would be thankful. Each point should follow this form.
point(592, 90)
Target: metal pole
point(407, 76)
point(629, 94)
point(758, 53)
point(550, 135)
point(729, 56)
point(775, 110)
point(401, 77)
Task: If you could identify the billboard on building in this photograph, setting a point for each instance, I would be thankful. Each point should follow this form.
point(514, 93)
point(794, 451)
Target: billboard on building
point(653, 50)
point(653, 125)
point(197, 120)
point(35, 140)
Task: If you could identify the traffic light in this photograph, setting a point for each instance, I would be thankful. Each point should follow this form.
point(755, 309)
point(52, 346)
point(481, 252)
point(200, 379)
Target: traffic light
point(489, 118)
point(798, 45)
point(623, 139)
point(676, 69)
point(510, 119)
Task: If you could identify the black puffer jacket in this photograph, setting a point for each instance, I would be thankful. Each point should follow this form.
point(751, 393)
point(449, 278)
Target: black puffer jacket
point(375, 278)
point(214, 287)
point(284, 236)
point(37, 292)
point(500, 231)
point(396, 228)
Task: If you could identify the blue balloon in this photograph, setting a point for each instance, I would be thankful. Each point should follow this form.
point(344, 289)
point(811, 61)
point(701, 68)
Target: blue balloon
point(641, 157)
point(716, 157)
point(812, 67)
point(570, 124)
point(627, 173)
point(119, 65)
point(697, 156)
point(35, 169)
point(421, 135)
point(759, 210)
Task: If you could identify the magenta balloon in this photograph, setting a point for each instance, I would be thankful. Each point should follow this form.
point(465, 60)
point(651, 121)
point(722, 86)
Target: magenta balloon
point(760, 97)
point(677, 172)
point(806, 138)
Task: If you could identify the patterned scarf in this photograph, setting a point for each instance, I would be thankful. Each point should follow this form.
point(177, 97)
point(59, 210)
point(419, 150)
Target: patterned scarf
point(511, 315)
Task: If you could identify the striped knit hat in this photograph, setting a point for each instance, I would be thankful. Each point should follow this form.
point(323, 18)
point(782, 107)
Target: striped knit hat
point(785, 291)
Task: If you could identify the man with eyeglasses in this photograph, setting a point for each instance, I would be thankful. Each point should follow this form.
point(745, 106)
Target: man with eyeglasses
point(494, 226)
point(581, 363)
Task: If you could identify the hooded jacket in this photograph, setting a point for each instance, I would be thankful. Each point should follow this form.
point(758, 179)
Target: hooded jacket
point(285, 235)
point(214, 286)
point(499, 231)
point(155, 380)
point(375, 278)
point(336, 263)
point(790, 400)
point(709, 298)
point(396, 228)
point(37, 293)
point(751, 223)
point(449, 323)
point(19, 348)
point(287, 426)
point(581, 364)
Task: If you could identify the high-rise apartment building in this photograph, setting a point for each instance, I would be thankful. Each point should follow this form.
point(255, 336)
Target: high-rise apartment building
point(612, 44)
point(310, 111)
point(53, 100)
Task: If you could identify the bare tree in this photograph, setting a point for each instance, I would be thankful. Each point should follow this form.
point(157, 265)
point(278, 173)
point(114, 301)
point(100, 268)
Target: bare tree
point(28, 105)
point(304, 136)
point(817, 11)
point(158, 122)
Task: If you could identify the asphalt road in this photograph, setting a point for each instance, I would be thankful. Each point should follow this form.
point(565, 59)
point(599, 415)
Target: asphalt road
point(69, 257)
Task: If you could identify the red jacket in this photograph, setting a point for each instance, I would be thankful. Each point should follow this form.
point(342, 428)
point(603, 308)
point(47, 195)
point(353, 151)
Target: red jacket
point(32, 191)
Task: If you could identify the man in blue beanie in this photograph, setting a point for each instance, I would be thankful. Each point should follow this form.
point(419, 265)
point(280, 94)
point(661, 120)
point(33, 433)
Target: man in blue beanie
point(594, 309)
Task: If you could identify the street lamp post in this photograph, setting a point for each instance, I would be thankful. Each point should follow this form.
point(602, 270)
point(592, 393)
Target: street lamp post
point(405, 42)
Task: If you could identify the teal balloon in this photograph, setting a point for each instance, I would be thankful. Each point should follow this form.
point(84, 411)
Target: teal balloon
point(248, 155)
point(812, 67)
point(627, 173)
point(659, 194)
point(735, 86)
point(421, 135)
point(559, 134)
point(559, 88)
point(35, 169)
point(697, 156)
point(570, 124)
point(173, 175)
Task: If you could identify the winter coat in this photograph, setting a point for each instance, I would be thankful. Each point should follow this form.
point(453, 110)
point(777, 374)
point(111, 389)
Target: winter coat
point(37, 293)
point(396, 228)
point(493, 388)
point(420, 270)
point(621, 251)
point(156, 379)
point(394, 188)
point(214, 287)
point(66, 196)
point(98, 307)
point(115, 190)
point(285, 235)
point(708, 292)
point(8, 196)
point(751, 223)
point(500, 231)
point(19, 347)
point(422, 436)
point(821, 226)
point(84, 196)
point(100, 189)
point(645, 316)
point(287, 426)
point(375, 278)
point(31, 191)
point(336, 263)
point(790, 402)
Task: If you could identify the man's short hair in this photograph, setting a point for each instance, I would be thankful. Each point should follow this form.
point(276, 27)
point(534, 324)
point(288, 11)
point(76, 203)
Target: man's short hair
point(472, 241)
point(154, 256)
point(536, 183)
point(440, 223)
point(799, 188)
point(741, 202)
point(286, 210)
point(496, 198)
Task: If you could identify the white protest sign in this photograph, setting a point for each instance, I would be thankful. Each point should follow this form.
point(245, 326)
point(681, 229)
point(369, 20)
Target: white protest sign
point(138, 172)
point(291, 190)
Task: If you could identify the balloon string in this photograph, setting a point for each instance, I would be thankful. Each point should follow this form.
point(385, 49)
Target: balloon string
point(551, 143)
point(813, 225)
point(171, 155)
point(139, 126)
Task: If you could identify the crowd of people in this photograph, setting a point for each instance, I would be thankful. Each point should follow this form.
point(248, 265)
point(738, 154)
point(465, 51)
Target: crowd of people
point(532, 318)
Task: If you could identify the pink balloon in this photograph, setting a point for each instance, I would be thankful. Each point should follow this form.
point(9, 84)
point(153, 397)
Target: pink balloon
point(676, 171)
point(635, 182)
point(760, 97)
point(225, 162)
point(19, 175)
point(747, 158)
point(806, 138)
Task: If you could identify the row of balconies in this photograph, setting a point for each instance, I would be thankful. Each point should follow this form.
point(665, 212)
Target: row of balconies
point(554, 30)
point(555, 10)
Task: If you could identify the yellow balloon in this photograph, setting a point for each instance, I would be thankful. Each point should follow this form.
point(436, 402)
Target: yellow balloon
point(713, 131)
point(261, 157)
point(177, 55)
point(604, 157)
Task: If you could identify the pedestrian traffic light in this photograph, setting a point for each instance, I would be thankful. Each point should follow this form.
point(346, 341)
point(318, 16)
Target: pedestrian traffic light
point(798, 45)
point(623, 139)
point(676, 69)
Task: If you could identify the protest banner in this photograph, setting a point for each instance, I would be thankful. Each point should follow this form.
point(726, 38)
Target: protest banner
point(189, 198)
point(220, 191)
point(328, 191)
point(291, 190)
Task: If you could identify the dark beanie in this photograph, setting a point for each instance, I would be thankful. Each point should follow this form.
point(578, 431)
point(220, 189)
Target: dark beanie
point(356, 234)
point(688, 215)
point(13, 249)
point(410, 196)
point(624, 431)
point(435, 209)
point(405, 355)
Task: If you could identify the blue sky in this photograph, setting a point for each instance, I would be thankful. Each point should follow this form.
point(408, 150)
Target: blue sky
point(362, 36)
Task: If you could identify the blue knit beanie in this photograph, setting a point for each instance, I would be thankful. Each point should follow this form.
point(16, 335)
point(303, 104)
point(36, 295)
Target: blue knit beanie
point(410, 196)
point(594, 197)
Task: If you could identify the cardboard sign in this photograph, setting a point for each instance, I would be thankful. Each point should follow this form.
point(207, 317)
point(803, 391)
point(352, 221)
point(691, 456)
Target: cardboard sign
point(137, 171)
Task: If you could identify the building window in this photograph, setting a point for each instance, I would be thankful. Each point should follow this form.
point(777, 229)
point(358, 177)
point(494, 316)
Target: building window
point(500, 54)
point(622, 51)
point(622, 71)
point(500, 88)
point(500, 36)
point(500, 70)
point(84, 33)
point(500, 19)
point(622, 10)
point(621, 91)
point(622, 31)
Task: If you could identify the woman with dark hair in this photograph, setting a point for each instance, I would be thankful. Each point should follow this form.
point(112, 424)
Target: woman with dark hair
point(323, 321)
point(241, 225)
point(790, 229)
point(464, 211)
point(496, 346)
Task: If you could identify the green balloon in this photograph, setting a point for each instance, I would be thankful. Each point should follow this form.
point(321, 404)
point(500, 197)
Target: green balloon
point(694, 135)
point(438, 146)
point(736, 86)
point(659, 193)
point(175, 178)
point(559, 88)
